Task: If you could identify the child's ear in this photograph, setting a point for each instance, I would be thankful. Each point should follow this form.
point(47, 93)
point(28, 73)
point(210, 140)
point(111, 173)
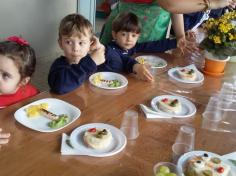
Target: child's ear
point(59, 43)
point(24, 81)
point(113, 35)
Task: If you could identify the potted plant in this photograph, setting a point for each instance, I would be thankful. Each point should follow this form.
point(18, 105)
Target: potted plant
point(220, 42)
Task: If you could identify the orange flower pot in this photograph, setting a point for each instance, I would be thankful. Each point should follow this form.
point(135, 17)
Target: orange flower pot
point(214, 66)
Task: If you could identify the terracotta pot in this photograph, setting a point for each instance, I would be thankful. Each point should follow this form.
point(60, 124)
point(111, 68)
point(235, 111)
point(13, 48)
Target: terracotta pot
point(214, 66)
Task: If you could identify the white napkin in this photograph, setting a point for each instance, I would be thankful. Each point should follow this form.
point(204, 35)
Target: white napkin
point(150, 114)
point(66, 149)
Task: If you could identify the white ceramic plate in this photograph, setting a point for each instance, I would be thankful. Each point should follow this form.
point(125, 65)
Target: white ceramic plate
point(40, 123)
point(118, 142)
point(154, 61)
point(188, 108)
point(184, 158)
point(108, 76)
point(174, 74)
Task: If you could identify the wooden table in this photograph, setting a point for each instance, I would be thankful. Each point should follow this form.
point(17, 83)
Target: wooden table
point(31, 153)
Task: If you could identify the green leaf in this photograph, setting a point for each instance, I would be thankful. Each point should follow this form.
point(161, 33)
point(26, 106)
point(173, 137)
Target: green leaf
point(233, 161)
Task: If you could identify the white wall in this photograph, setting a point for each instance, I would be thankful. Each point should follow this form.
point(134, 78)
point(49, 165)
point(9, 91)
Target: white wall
point(35, 20)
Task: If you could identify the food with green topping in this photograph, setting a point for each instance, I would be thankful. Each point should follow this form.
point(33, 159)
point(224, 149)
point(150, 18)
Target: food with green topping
point(114, 83)
point(60, 122)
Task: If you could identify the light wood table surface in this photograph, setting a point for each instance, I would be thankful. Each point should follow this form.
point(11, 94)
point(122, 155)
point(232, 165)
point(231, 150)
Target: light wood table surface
point(32, 153)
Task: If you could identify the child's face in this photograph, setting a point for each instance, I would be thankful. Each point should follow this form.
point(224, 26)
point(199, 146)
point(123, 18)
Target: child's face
point(74, 47)
point(9, 76)
point(126, 40)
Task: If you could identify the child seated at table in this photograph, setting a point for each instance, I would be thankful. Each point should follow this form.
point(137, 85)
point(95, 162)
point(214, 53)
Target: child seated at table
point(17, 64)
point(4, 137)
point(126, 29)
point(83, 56)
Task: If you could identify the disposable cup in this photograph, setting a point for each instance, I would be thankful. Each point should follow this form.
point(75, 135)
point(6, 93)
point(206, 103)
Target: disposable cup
point(129, 124)
point(186, 136)
point(178, 149)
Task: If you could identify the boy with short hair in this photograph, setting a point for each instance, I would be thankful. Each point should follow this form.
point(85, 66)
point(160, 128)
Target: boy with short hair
point(83, 56)
point(126, 30)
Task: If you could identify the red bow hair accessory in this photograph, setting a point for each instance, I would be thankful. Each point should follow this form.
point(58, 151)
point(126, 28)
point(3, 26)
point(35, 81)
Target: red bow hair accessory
point(18, 40)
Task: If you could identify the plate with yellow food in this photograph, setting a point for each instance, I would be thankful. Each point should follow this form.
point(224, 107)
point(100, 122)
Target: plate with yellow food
point(108, 80)
point(47, 115)
point(98, 139)
point(154, 61)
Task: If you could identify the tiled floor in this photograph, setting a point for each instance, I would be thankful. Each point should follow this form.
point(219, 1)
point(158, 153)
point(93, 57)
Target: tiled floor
point(39, 78)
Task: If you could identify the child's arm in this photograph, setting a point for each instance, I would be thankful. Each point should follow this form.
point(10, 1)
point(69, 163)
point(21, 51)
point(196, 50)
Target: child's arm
point(4, 137)
point(64, 77)
point(98, 55)
point(142, 72)
point(156, 46)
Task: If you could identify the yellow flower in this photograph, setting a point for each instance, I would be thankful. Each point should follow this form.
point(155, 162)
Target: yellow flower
point(231, 37)
point(217, 39)
point(225, 28)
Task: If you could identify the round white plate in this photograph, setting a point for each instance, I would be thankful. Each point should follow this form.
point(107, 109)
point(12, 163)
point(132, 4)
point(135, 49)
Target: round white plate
point(109, 76)
point(184, 158)
point(40, 123)
point(188, 108)
point(154, 61)
point(174, 74)
point(118, 142)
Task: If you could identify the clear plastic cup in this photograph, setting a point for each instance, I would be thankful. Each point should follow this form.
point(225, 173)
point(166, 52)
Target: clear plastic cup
point(186, 136)
point(178, 149)
point(129, 124)
point(172, 168)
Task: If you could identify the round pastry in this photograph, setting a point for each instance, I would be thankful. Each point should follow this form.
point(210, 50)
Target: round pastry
point(187, 74)
point(98, 138)
point(206, 166)
point(170, 105)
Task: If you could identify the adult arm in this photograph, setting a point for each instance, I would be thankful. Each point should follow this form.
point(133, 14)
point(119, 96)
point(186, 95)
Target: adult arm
point(189, 6)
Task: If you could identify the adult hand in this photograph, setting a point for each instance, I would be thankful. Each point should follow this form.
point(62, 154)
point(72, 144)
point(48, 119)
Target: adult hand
point(215, 4)
point(142, 72)
point(4, 137)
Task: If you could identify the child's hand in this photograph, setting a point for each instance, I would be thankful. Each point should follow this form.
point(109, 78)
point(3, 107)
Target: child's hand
point(142, 72)
point(4, 137)
point(98, 55)
point(191, 36)
point(95, 44)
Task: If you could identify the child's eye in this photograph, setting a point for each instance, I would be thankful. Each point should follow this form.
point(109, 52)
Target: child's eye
point(81, 43)
point(68, 42)
point(5, 76)
point(134, 35)
point(123, 34)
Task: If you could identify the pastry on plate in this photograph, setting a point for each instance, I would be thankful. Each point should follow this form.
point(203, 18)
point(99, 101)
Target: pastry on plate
point(187, 74)
point(98, 138)
point(170, 105)
point(206, 165)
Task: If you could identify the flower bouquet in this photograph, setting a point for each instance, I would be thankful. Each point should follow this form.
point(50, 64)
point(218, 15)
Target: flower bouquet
point(220, 42)
point(221, 35)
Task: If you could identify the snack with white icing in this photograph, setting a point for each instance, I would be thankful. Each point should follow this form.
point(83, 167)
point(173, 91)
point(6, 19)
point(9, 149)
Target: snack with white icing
point(187, 74)
point(98, 138)
point(170, 105)
point(206, 166)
